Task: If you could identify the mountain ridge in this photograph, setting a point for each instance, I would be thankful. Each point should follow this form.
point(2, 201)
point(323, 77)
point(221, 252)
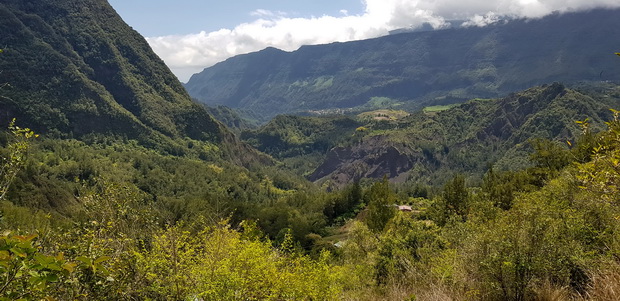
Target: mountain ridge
point(428, 147)
point(442, 66)
point(467, 138)
point(77, 68)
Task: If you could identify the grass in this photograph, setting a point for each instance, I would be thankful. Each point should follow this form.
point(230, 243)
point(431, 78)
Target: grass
point(383, 114)
point(433, 109)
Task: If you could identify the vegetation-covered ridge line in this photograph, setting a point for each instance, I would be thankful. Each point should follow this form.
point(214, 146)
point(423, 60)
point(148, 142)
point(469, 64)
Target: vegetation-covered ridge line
point(78, 71)
point(414, 70)
point(430, 147)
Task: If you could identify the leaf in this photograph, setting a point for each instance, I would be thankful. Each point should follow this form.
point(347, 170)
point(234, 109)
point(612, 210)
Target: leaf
point(85, 260)
point(51, 278)
point(102, 259)
point(42, 259)
point(5, 255)
point(54, 266)
point(99, 267)
point(18, 252)
point(25, 238)
point(31, 237)
point(69, 266)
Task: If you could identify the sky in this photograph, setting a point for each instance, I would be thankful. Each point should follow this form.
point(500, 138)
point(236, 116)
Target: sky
point(190, 35)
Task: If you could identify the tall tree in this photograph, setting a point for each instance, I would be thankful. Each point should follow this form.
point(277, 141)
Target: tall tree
point(381, 201)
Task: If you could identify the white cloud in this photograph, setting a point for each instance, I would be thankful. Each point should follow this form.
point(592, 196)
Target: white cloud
point(267, 13)
point(189, 54)
point(484, 20)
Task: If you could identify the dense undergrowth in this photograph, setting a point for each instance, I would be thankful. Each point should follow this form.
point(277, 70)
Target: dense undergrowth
point(549, 232)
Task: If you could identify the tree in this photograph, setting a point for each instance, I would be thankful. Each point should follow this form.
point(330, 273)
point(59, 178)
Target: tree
point(549, 158)
point(28, 274)
point(501, 187)
point(381, 201)
point(456, 196)
point(16, 157)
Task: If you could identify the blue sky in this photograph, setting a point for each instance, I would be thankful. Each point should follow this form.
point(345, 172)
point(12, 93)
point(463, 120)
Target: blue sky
point(161, 18)
point(190, 35)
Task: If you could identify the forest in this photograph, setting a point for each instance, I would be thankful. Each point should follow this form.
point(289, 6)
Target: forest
point(116, 185)
point(134, 228)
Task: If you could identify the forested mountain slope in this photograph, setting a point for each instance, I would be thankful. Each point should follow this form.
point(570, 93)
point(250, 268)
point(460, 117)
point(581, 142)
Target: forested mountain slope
point(74, 68)
point(109, 112)
point(432, 146)
point(442, 66)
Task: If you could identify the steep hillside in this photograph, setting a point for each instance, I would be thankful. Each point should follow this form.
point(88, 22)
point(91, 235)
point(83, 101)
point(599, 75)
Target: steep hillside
point(288, 136)
point(443, 66)
point(230, 118)
point(74, 68)
point(431, 146)
point(109, 111)
point(300, 142)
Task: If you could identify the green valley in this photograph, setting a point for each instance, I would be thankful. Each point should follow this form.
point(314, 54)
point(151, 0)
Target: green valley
point(116, 185)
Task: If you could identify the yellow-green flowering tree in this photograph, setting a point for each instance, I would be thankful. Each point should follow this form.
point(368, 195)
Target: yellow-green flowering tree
point(219, 263)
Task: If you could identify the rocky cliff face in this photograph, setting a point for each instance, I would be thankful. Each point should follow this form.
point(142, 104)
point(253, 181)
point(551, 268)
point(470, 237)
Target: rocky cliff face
point(374, 158)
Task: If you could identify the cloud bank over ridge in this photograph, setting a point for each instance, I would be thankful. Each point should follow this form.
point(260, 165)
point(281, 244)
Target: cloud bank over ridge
point(188, 54)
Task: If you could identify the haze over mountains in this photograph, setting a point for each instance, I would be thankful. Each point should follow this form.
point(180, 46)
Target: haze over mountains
point(418, 68)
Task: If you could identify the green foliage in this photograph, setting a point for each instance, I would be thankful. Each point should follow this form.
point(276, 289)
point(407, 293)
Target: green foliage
point(601, 175)
point(16, 157)
point(219, 264)
point(453, 203)
point(229, 117)
point(28, 274)
point(344, 205)
point(549, 236)
point(433, 109)
point(456, 196)
point(381, 205)
point(103, 75)
point(501, 187)
point(548, 158)
point(157, 201)
point(122, 242)
point(405, 244)
point(288, 136)
point(430, 149)
point(549, 155)
point(537, 239)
